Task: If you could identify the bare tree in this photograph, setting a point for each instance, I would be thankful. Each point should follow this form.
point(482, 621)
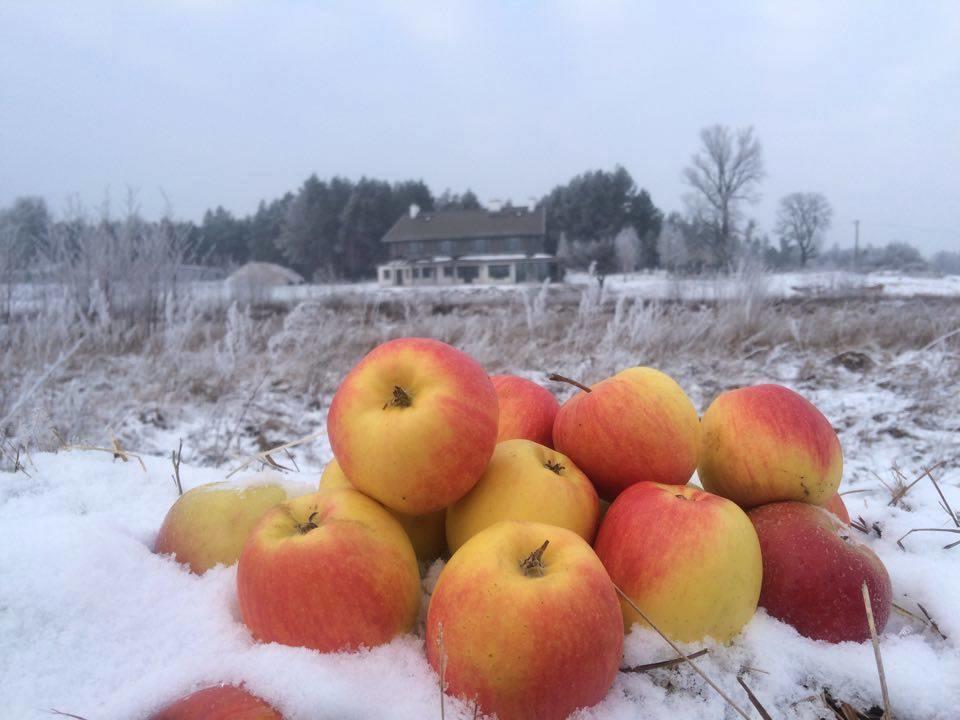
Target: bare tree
point(801, 221)
point(723, 175)
point(627, 246)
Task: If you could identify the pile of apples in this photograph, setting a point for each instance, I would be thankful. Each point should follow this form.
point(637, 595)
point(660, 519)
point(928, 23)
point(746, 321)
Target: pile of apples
point(560, 523)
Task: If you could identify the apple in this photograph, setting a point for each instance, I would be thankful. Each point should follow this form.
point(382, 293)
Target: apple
point(414, 424)
point(329, 571)
point(527, 410)
point(208, 525)
point(220, 702)
point(526, 481)
point(688, 559)
point(836, 505)
point(765, 444)
point(637, 425)
point(524, 621)
point(813, 570)
point(426, 532)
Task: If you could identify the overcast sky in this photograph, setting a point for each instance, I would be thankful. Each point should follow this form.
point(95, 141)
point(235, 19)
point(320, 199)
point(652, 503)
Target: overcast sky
point(224, 103)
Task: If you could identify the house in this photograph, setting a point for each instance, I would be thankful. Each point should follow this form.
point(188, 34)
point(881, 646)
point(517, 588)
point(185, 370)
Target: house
point(457, 247)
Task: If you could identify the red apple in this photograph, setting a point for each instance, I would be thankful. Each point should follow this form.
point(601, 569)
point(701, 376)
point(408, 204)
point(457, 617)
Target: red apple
point(813, 570)
point(414, 424)
point(836, 505)
point(527, 410)
point(637, 425)
point(525, 628)
point(329, 571)
point(767, 444)
point(688, 559)
point(220, 702)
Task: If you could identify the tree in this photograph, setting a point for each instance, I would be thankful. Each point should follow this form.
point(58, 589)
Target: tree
point(722, 176)
point(628, 249)
point(368, 214)
point(593, 207)
point(311, 227)
point(266, 226)
point(223, 238)
point(453, 201)
point(802, 219)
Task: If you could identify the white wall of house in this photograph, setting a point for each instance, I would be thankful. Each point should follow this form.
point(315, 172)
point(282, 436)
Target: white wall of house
point(492, 272)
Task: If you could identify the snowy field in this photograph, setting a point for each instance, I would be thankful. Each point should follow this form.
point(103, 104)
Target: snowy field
point(93, 624)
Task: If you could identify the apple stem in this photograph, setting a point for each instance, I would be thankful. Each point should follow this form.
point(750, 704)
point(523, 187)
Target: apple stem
point(569, 381)
point(401, 398)
point(533, 565)
point(309, 525)
point(554, 467)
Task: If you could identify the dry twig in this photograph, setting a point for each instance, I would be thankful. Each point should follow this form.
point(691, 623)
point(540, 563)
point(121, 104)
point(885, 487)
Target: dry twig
point(175, 459)
point(945, 505)
point(933, 623)
point(887, 713)
point(264, 456)
point(946, 530)
point(754, 700)
point(663, 663)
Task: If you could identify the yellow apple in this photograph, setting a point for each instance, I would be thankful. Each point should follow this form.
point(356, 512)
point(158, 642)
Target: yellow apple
point(526, 481)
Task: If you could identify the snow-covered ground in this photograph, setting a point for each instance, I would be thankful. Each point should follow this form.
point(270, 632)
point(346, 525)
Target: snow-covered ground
point(92, 623)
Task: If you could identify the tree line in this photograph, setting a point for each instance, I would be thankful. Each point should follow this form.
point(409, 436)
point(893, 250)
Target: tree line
point(332, 228)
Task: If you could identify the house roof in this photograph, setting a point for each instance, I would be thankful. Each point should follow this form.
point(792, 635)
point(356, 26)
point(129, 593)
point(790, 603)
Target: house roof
point(455, 224)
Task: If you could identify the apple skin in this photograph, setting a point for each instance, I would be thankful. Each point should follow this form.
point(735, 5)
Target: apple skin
point(836, 505)
point(765, 444)
point(525, 646)
point(637, 425)
point(690, 560)
point(351, 581)
point(426, 532)
point(209, 524)
point(220, 702)
point(519, 485)
point(813, 570)
point(527, 410)
point(422, 457)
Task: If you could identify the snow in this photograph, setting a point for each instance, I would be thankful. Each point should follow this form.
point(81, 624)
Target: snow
point(93, 623)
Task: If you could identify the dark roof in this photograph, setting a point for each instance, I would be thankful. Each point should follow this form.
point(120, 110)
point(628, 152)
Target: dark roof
point(454, 224)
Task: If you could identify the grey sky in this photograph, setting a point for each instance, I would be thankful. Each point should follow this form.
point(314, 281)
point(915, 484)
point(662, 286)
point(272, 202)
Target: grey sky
point(225, 103)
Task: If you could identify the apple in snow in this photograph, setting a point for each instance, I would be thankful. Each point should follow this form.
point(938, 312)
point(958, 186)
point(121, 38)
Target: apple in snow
point(209, 524)
point(220, 702)
point(414, 424)
point(426, 532)
point(688, 559)
point(329, 571)
point(525, 621)
point(637, 425)
point(526, 481)
point(765, 444)
point(813, 570)
point(527, 410)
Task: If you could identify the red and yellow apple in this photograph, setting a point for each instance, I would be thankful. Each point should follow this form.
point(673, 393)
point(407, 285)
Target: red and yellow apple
point(208, 525)
point(765, 444)
point(526, 481)
point(637, 425)
point(426, 532)
point(524, 621)
point(527, 410)
point(813, 571)
point(329, 571)
point(414, 424)
point(688, 559)
point(220, 702)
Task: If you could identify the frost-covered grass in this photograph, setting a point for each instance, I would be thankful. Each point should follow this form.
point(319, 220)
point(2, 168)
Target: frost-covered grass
point(93, 624)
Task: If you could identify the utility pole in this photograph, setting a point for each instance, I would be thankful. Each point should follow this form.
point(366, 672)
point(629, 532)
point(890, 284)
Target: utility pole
point(856, 243)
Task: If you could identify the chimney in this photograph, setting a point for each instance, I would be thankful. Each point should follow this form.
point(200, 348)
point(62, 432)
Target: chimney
point(414, 210)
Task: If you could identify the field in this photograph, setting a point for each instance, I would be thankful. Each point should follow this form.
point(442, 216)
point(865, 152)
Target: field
point(93, 624)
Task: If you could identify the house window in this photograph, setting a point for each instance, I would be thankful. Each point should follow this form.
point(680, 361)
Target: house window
point(515, 244)
point(427, 272)
point(448, 271)
point(498, 272)
point(386, 274)
point(447, 247)
point(468, 273)
point(416, 272)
